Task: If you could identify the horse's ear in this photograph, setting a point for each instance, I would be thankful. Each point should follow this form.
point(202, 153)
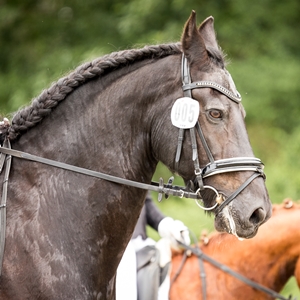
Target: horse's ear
point(207, 32)
point(193, 45)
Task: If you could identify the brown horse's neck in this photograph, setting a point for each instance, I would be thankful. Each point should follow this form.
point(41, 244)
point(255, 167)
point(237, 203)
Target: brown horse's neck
point(270, 258)
point(281, 250)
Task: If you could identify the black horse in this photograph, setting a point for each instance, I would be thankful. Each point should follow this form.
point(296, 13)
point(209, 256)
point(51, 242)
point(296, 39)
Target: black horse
point(65, 231)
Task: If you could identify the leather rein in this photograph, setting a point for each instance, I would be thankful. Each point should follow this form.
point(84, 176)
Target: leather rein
point(212, 168)
point(204, 257)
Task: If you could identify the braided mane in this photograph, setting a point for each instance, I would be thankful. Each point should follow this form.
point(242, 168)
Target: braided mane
point(42, 105)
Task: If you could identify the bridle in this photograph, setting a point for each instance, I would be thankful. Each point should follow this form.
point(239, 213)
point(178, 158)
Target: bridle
point(204, 257)
point(214, 167)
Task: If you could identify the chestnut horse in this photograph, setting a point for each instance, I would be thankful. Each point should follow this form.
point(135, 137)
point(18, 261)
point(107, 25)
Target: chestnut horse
point(270, 259)
point(66, 231)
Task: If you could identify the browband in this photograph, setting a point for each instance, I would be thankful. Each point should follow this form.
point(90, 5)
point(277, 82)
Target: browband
point(210, 84)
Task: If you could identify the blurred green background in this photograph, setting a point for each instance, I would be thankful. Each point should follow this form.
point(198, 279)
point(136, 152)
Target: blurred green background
point(41, 40)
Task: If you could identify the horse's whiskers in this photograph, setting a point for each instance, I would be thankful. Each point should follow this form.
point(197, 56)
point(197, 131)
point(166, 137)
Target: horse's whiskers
point(229, 221)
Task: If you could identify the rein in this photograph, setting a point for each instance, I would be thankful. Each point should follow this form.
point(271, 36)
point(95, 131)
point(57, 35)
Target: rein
point(4, 159)
point(203, 257)
point(6, 154)
point(160, 187)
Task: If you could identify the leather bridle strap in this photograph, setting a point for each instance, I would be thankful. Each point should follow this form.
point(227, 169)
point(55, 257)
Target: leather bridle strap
point(4, 158)
point(202, 273)
point(236, 192)
point(204, 143)
point(202, 256)
point(186, 79)
point(195, 158)
point(179, 147)
point(160, 187)
point(233, 165)
point(214, 167)
point(210, 84)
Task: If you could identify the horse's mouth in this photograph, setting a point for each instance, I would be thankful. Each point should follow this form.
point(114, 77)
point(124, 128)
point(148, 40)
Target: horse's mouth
point(225, 222)
point(228, 219)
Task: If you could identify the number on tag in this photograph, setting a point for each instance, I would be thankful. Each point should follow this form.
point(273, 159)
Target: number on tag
point(185, 113)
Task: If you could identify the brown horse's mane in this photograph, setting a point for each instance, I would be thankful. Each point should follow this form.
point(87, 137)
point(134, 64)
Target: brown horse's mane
point(287, 204)
point(42, 105)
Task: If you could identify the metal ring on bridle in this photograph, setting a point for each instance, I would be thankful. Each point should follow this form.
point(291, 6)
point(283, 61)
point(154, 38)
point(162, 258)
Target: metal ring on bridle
point(217, 202)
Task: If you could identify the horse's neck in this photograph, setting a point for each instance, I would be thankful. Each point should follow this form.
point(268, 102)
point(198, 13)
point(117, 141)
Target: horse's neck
point(273, 253)
point(107, 117)
point(281, 247)
point(270, 259)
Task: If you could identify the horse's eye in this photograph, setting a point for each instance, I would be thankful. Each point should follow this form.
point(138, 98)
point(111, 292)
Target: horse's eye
point(216, 114)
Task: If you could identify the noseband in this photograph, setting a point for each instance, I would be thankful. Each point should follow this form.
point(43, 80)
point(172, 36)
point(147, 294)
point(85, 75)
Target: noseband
point(214, 167)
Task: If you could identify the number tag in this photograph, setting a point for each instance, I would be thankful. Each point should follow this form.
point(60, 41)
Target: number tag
point(185, 113)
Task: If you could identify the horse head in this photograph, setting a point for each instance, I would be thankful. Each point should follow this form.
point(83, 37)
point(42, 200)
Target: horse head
point(118, 116)
point(216, 156)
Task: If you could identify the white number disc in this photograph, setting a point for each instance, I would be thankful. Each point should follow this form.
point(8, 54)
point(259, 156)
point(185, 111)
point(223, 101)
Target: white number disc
point(185, 113)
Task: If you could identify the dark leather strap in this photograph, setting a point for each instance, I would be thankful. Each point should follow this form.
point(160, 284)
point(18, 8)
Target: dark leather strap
point(195, 158)
point(204, 143)
point(236, 192)
point(233, 165)
point(179, 147)
point(161, 188)
point(213, 85)
point(185, 80)
point(202, 256)
point(3, 202)
point(202, 274)
point(186, 77)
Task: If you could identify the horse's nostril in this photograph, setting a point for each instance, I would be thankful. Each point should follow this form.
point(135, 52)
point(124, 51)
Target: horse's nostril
point(258, 216)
